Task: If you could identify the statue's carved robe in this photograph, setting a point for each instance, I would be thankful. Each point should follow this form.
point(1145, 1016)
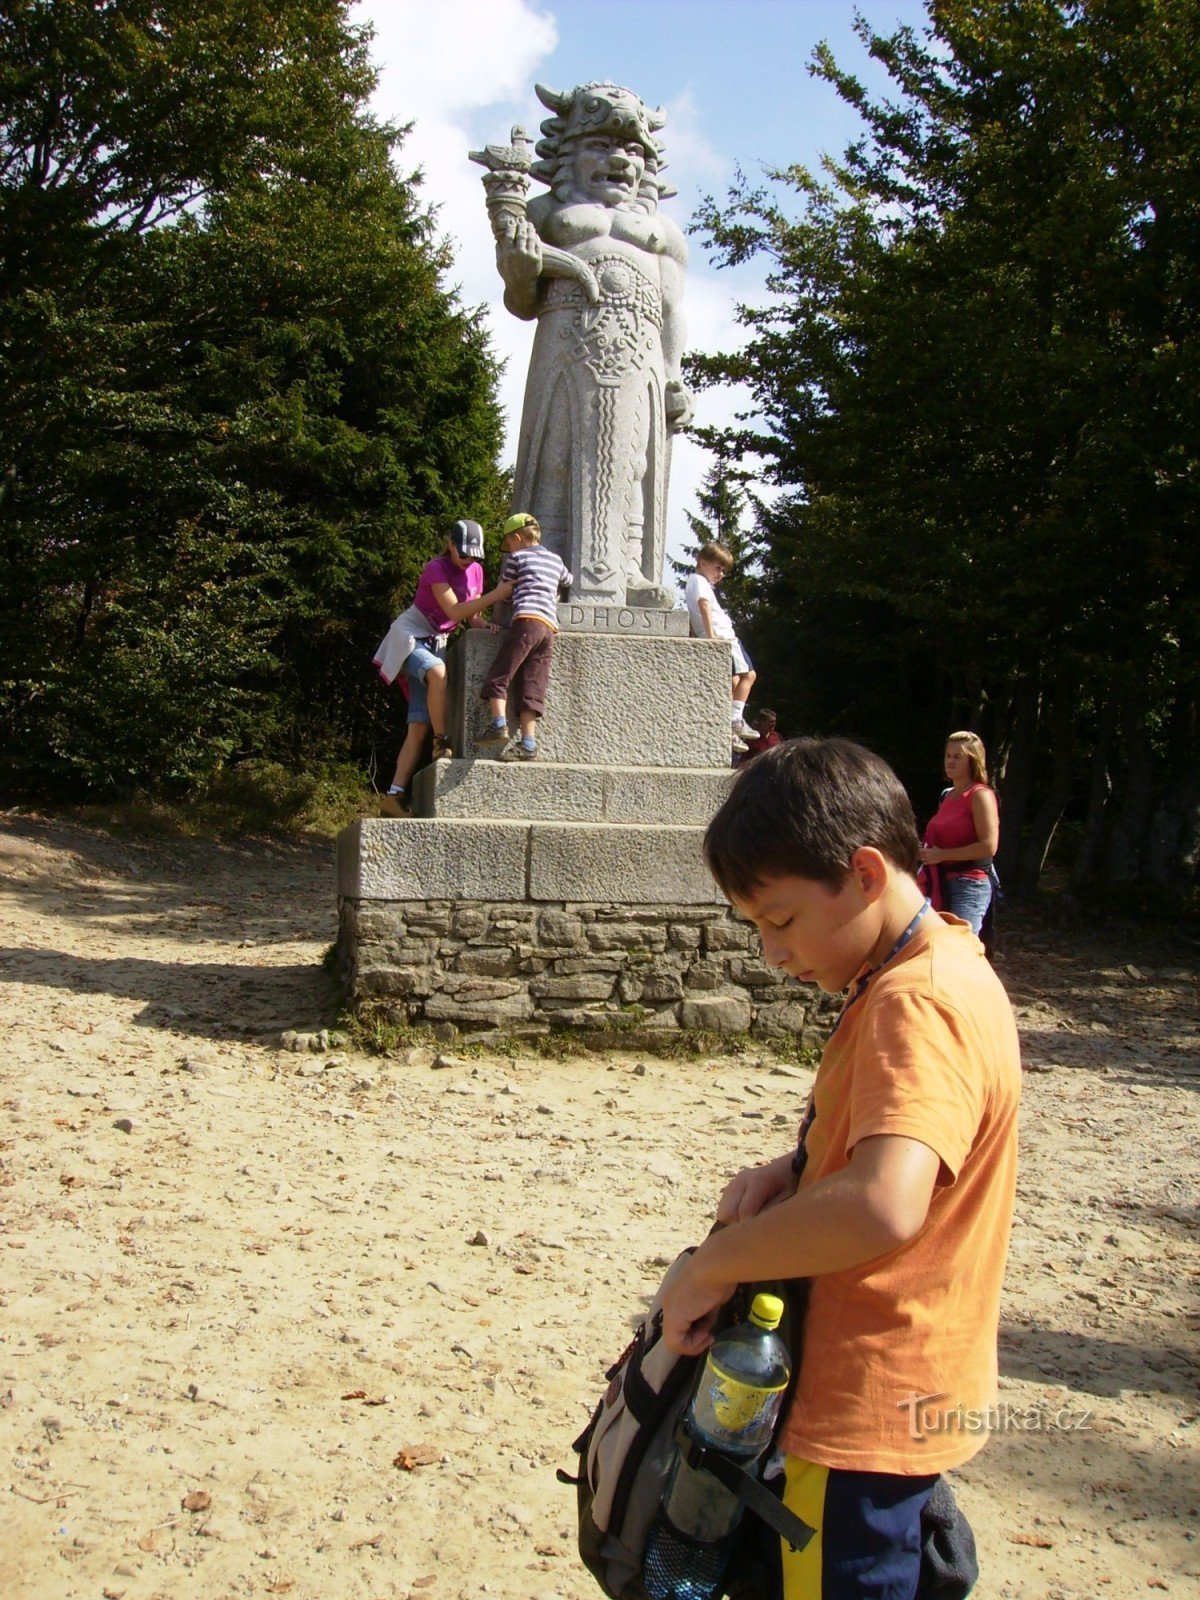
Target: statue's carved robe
point(594, 451)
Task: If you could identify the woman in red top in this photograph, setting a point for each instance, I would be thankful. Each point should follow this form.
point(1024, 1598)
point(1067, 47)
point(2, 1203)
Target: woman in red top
point(964, 835)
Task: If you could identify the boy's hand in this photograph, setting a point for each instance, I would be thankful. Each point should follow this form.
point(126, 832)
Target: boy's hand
point(756, 1188)
point(690, 1309)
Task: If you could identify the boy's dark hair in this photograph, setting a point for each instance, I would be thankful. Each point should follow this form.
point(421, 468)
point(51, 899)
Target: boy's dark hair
point(803, 809)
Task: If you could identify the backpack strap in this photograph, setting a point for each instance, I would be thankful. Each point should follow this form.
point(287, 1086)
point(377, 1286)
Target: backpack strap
point(766, 1506)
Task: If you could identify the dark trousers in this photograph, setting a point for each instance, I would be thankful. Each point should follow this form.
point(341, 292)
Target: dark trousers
point(528, 648)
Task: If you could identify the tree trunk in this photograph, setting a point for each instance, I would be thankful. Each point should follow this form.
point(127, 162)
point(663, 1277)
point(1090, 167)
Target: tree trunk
point(1018, 775)
point(85, 610)
point(1036, 844)
point(1083, 869)
point(1170, 839)
point(1127, 841)
point(998, 748)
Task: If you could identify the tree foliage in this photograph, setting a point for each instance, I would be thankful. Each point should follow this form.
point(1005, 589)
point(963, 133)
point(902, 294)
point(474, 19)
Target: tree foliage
point(976, 387)
point(237, 401)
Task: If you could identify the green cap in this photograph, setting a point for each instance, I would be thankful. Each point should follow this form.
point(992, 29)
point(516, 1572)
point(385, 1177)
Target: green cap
point(518, 520)
point(767, 1311)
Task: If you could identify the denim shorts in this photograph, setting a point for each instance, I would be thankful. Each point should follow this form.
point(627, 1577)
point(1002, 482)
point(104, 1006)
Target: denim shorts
point(967, 898)
point(416, 669)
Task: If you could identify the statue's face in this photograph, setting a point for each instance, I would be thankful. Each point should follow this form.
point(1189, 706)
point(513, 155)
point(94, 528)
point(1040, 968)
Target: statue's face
point(608, 169)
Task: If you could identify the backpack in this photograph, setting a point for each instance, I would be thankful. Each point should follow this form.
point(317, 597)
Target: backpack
point(629, 1446)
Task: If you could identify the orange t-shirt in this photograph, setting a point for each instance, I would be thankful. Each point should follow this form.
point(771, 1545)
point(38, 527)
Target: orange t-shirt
point(898, 1368)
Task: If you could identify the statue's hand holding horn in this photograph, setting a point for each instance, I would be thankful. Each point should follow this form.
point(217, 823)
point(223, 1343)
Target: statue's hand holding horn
point(519, 255)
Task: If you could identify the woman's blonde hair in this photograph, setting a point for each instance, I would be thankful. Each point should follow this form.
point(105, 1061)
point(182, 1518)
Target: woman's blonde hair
point(976, 754)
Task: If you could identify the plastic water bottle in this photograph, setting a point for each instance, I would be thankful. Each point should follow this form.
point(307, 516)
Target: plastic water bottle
point(733, 1410)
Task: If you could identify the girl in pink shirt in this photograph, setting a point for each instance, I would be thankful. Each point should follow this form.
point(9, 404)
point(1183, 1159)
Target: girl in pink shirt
point(449, 591)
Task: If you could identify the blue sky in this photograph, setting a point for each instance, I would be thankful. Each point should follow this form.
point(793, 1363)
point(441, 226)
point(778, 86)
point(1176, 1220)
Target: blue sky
point(732, 74)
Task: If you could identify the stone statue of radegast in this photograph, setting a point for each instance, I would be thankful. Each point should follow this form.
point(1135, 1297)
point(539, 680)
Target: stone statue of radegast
point(602, 271)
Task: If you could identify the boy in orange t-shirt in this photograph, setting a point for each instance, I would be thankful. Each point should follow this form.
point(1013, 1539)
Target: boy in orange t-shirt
point(897, 1204)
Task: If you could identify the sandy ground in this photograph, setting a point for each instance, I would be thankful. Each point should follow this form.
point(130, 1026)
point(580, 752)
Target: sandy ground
point(238, 1283)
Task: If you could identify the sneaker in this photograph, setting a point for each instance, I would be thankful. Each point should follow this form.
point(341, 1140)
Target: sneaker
point(744, 731)
point(396, 805)
point(519, 751)
point(443, 750)
point(495, 736)
point(738, 744)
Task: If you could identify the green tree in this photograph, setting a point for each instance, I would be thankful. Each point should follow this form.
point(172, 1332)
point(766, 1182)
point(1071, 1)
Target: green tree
point(977, 392)
point(237, 401)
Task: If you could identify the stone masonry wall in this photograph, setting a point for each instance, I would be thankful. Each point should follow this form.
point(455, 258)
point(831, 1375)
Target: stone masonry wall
point(628, 972)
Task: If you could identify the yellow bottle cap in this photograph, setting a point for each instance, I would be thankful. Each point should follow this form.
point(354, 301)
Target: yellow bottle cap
point(767, 1311)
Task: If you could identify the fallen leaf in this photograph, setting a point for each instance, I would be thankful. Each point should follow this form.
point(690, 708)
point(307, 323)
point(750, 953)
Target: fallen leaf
point(1039, 1541)
point(1156, 1583)
point(368, 1544)
point(355, 1394)
point(113, 1594)
point(426, 1582)
point(198, 1500)
point(149, 1541)
point(281, 1585)
point(417, 1455)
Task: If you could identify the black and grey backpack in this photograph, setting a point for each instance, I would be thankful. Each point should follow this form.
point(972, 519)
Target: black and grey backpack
point(627, 1449)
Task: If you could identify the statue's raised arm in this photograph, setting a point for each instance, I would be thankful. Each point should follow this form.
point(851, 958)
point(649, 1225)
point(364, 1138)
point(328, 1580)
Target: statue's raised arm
point(602, 272)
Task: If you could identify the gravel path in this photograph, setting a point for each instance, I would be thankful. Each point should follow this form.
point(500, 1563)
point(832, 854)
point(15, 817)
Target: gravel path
point(324, 1324)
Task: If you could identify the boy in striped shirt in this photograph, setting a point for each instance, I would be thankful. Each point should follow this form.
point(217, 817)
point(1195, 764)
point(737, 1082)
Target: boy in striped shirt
point(536, 579)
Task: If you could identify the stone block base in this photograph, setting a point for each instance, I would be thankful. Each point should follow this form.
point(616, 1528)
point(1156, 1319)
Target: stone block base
point(617, 973)
point(543, 791)
point(426, 858)
point(612, 701)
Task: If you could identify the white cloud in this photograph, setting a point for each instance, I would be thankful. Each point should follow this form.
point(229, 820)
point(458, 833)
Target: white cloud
point(689, 154)
point(444, 59)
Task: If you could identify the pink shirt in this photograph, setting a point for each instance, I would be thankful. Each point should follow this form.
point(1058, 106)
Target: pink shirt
point(954, 825)
point(466, 582)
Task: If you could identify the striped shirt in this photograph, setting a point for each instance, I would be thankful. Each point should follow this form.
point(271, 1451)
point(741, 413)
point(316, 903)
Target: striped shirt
point(539, 581)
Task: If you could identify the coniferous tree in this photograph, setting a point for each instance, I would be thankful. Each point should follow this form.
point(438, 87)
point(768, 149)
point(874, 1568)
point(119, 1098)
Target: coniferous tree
point(237, 402)
point(977, 394)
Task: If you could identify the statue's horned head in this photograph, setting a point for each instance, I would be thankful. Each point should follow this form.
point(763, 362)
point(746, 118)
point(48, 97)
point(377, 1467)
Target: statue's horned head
point(600, 108)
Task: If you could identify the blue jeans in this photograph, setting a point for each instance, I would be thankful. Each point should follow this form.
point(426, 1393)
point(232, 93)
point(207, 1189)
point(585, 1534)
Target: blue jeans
point(967, 898)
point(416, 669)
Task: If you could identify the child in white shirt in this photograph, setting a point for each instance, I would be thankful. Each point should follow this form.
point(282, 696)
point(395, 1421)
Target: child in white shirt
point(711, 621)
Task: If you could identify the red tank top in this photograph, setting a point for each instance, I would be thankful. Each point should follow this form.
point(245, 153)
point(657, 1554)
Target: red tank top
point(954, 825)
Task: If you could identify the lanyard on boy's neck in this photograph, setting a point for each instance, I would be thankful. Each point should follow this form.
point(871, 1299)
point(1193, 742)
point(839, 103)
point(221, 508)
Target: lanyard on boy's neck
point(860, 984)
point(800, 1159)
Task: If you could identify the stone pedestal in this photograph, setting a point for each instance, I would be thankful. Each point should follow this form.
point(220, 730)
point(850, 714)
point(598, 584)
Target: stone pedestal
point(570, 891)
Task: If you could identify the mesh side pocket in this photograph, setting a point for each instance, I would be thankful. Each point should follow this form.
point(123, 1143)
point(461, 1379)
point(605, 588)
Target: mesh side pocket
point(676, 1567)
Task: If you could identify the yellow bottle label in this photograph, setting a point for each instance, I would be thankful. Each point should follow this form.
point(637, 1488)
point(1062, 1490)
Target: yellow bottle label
point(735, 1405)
